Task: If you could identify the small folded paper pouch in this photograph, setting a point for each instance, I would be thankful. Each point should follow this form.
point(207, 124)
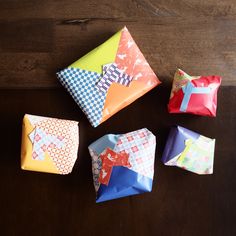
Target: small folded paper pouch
point(189, 150)
point(194, 94)
point(123, 164)
point(49, 144)
point(109, 78)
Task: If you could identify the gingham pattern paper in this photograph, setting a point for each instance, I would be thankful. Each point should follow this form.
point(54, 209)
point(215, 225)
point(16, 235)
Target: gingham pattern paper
point(112, 74)
point(140, 145)
point(42, 141)
point(81, 85)
point(105, 67)
point(124, 79)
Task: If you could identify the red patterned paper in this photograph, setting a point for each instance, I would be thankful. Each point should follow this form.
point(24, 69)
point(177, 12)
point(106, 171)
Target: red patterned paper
point(109, 159)
point(65, 156)
point(199, 104)
point(131, 60)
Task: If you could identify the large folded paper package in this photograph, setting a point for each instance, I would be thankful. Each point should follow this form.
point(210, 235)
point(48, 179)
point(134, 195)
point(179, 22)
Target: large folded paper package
point(123, 164)
point(189, 150)
point(109, 78)
point(49, 144)
point(194, 94)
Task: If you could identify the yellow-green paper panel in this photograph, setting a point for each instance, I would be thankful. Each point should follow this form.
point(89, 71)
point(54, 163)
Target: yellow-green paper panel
point(103, 54)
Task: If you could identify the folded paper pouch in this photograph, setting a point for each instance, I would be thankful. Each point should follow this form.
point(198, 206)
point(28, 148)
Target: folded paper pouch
point(123, 164)
point(189, 150)
point(109, 78)
point(194, 94)
point(49, 144)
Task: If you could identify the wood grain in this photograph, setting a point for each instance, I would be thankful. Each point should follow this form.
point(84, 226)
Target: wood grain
point(181, 203)
point(34, 35)
point(40, 38)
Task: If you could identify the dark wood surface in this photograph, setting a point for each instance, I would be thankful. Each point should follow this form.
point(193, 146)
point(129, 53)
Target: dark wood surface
point(40, 37)
point(181, 203)
point(37, 38)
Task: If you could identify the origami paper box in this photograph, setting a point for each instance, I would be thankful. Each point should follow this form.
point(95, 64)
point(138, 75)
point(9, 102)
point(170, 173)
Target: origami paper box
point(189, 150)
point(109, 78)
point(49, 144)
point(194, 94)
point(123, 164)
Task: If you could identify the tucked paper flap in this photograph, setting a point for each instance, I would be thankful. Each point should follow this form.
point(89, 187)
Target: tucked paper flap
point(50, 145)
point(189, 150)
point(27, 162)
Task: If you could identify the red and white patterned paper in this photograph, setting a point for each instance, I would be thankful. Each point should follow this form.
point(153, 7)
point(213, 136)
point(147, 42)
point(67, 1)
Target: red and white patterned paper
point(109, 159)
point(65, 156)
point(140, 145)
point(130, 60)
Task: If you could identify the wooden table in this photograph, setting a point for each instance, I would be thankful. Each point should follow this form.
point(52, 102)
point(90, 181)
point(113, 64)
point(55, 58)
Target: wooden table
point(37, 38)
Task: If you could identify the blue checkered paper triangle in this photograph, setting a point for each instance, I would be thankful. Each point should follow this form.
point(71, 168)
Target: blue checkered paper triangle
point(81, 84)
